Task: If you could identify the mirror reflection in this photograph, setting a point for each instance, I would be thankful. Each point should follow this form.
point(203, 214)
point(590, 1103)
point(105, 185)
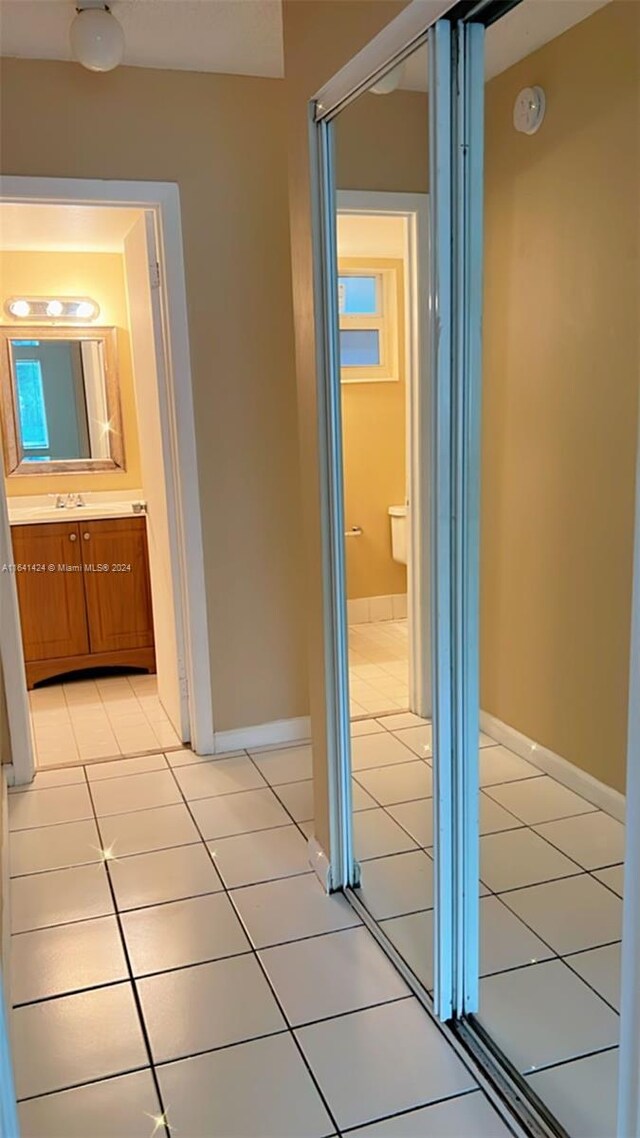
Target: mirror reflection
point(60, 400)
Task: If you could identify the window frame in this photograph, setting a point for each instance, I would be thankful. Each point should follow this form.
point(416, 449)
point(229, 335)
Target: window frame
point(388, 322)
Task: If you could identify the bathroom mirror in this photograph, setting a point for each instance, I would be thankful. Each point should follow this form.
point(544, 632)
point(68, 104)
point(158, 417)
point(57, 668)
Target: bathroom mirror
point(60, 400)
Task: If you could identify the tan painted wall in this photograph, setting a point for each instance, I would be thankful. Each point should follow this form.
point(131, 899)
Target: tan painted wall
point(319, 37)
point(222, 139)
point(100, 276)
point(561, 373)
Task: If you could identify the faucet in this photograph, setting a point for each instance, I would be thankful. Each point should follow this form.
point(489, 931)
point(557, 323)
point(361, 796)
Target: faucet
point(75, 500)
point(68, 501)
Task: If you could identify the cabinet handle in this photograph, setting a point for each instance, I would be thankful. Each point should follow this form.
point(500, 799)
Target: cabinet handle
point(73, 537)
point(86, 536)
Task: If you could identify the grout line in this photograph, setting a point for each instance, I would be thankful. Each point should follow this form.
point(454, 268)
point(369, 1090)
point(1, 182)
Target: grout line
point(134, 989)
point(267, 979)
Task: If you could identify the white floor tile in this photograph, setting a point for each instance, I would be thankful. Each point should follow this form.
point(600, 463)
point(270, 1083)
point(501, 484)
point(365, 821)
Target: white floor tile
point(219, 776)
point(468, 1116)
point(297, 798)
point(418, 739)
point(613, 878)
point(399, 884)
point(166, 875)
point(593, 840)
point(401, 782)
point(241, 813)
point(416, 818)
point(403, 720)
point(539, 800)
point(248, 859)
point(327, 975)
point(81, 1053)
point(36, 808)
point(67, 958)
point(121, 1106)
point(59, 897)
point(146, 830)
point(377, 751)
point(571, 914)
point(291, 908)
point(544, 1014)
point(286, 764)
point(494, 818)
point(412, 936)
point(600, 967)
point(505, 942)
point(375, 834)
point(135, 792)
point(355, 1059)
point(208, 1006)
point(181, 933)
point(44, 780)
point(582, 1095)
point(498, 764)
point(184, 757)
point(98, 771)
point(519, 857)
point(208, 1094)
point(366, 727)
point(54, 847)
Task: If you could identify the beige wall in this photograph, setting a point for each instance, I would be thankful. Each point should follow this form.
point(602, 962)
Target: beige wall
point(561, 370)
point(222, 139)
point(100, 276)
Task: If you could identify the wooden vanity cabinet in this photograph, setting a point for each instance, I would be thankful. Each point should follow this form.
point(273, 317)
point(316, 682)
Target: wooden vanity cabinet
point(84, 595)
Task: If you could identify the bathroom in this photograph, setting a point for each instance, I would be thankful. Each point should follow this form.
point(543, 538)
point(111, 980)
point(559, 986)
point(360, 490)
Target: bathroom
point(83, 488)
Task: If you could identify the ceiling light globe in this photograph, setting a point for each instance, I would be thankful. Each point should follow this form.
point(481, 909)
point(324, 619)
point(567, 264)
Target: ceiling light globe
point(97, 39)
point(54, 308)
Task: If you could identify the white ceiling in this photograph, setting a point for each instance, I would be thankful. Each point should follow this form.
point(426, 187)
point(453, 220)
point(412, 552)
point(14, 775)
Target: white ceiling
point(234, 37)
point(65, 228)
point(524, 29)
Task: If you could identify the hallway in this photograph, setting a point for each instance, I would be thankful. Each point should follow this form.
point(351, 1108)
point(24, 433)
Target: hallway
point(171, 949)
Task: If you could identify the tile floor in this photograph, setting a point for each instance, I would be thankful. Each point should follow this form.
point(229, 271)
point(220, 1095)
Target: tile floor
point(378, 667)
point(172, 950)
point(78, 721)
point(551, 908)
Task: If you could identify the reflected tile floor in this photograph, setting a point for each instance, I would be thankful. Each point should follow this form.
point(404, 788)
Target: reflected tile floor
point(159, 972)
point(83, 720)
point(550, 909)
point(378, 667)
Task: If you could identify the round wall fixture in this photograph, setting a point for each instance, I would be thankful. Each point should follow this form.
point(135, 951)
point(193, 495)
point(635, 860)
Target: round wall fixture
point(389, 82)
point(96, 38)
point(529, 109)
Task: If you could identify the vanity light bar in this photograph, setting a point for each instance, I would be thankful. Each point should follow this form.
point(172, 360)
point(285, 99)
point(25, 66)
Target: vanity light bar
point(52, 308)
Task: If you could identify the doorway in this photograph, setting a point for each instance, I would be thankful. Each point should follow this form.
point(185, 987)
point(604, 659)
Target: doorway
point(91, 715)
point(382, 247)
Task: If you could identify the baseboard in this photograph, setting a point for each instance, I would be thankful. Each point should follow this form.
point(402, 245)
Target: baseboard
point(367, 610)
point(280, 732)
point(571, 776)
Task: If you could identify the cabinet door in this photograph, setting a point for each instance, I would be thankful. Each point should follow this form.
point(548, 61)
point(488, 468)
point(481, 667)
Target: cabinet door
point(52, 604)
point(116, 580)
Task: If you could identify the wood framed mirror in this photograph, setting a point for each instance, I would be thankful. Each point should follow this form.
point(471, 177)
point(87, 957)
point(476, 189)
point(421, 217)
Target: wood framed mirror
point(60, 400)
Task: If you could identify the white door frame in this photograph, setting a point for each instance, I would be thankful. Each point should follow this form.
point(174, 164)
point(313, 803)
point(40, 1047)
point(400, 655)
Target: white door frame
point(414, 209)
point(162, 199)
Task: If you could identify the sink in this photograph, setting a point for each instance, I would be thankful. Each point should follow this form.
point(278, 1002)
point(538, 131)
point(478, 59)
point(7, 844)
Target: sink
point(51, 513)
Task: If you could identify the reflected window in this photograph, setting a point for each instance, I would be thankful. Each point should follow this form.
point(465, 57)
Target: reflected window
point(31, 405)
point(369, 307)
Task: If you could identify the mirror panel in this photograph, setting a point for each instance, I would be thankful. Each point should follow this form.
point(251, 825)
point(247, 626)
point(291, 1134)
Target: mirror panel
point(60, 400)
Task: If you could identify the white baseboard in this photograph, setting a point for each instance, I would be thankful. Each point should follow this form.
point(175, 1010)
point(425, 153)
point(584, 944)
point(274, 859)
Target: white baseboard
point(571, 776)
point(280, 732)
point(366, 610)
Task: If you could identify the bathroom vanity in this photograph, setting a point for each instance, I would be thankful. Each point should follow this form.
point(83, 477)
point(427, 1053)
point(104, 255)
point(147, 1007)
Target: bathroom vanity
point(83, 590)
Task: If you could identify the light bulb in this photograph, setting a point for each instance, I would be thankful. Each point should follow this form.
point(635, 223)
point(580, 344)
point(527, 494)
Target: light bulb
point(85, 310)
point(20, 307)
point(389, 82)
point(97, 39)
point(54, 308)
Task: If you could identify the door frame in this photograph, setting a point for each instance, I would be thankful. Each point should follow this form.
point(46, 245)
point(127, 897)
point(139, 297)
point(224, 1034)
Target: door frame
point(414, 210)
point(162, 201)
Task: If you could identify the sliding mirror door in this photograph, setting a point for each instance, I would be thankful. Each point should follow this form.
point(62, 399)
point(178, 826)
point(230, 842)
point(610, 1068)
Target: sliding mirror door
point(559, 414)
point(381, 224)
